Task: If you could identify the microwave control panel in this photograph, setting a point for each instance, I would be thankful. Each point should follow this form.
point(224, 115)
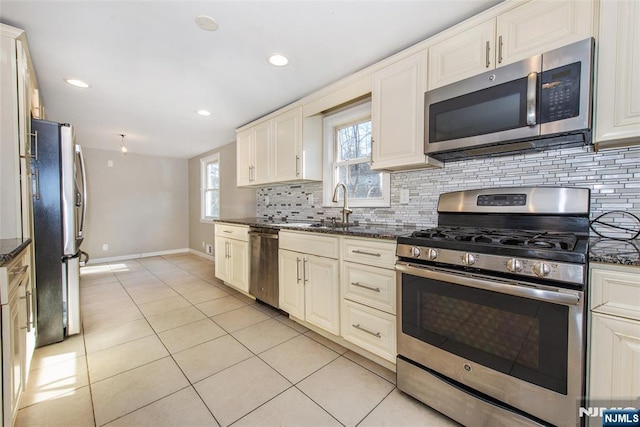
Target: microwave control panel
point(560, 93)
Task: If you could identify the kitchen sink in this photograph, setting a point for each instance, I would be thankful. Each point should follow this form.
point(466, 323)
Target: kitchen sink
point(324, 225)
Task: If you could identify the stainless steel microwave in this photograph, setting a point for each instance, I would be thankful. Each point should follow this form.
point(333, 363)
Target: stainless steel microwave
point(536, 104)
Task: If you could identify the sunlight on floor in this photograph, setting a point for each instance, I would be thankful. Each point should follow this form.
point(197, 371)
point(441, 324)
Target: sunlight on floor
point(105, 268)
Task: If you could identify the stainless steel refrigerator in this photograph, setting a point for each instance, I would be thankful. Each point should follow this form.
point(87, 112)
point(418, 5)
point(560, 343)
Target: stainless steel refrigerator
point(59, 213)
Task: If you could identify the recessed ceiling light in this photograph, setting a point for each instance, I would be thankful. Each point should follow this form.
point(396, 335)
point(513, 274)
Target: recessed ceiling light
point(204, 112)
point(206, 23)
point(77, 83)
point(277, 59)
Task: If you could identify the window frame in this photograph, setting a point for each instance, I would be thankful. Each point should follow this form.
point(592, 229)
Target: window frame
point(204, 163)
point(344, 117)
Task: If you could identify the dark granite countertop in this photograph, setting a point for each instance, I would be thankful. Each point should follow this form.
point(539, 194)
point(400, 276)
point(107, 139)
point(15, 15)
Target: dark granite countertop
point(10, 248)
point(370, 230)
point(611, 251)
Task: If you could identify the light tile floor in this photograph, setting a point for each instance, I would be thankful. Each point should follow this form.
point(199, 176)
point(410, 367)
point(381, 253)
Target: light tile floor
point(164, 343)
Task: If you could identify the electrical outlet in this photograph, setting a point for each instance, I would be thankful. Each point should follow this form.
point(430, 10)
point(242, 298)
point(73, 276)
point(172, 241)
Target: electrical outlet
point(310, 199)
point(105, 247)
point(266, 200)
point(210, 249)
point(404, 196)
point(203, 244)
point(109, 163)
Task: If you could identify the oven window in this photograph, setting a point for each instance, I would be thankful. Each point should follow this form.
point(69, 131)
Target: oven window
point(498, 108)
point(524, 338)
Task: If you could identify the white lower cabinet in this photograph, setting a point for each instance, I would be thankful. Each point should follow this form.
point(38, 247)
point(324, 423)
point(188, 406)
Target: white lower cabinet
point(371, 329)
point(342, 285)
point(615, 358)
point(18, 334)
point(614, 347)
point(232, 255)
point(309, 283)
point(368, 286)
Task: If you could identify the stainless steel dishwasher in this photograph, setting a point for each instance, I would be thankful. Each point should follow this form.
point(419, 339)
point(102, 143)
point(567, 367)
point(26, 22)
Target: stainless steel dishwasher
point(263, 265)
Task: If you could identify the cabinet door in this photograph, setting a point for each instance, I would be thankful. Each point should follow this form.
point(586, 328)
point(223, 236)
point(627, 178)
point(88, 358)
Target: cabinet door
point(291, 298)
point(13, 348)
point(239, 264)
point(262, 144)
point(244, 161)
point(617, 104)
point(615, 357)
point(463, 55)
point(221, 256)
point(322, 293)
point(397, 113)
point(287, 145)
point(540, 26)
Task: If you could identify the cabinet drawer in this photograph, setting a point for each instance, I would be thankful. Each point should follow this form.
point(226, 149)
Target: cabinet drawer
point(616, 291)
point(238, 232)
point(371, 329)
point(372, 286)
point(12, 273)
point(310, 243)
point(374, 252)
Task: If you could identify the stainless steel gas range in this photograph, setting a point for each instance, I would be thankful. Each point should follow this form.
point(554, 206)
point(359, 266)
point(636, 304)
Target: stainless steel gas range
point(491, 306)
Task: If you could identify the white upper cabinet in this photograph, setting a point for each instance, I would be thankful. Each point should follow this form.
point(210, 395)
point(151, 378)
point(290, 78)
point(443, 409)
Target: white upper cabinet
point(244, 157)
point(287, 131)
point(529, 29)
point(18, 103)
point(617, 102)
point(539, 26)
point(464, 55)
point(397, 115)
point(284, 148)
point(254, 147)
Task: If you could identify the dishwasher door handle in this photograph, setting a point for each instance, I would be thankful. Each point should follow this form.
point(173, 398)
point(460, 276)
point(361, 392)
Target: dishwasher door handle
point(263, 235)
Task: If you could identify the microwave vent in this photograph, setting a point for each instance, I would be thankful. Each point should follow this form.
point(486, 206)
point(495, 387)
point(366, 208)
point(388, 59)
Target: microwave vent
point(515, 147)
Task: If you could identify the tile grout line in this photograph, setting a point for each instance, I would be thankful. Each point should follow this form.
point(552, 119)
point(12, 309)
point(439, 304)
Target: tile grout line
point(192, 384)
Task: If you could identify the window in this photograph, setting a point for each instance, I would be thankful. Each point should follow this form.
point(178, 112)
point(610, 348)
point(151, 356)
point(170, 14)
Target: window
point(347, 138)
point(210, 188)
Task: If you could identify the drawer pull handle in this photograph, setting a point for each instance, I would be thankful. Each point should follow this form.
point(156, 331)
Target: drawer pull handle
point(227, 231)
point(19, 271)
point(360, 285)
point(358, 251)
point(375, 334)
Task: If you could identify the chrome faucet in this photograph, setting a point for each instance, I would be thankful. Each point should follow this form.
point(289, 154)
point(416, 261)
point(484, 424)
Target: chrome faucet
point(345, 205)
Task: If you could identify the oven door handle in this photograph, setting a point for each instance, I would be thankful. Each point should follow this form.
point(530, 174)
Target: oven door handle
point(494, 285)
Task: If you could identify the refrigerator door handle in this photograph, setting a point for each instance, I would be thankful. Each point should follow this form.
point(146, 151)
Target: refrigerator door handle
point(83, 201)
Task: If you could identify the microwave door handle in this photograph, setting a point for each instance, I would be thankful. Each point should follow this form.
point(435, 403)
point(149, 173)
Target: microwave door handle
point(532, 90)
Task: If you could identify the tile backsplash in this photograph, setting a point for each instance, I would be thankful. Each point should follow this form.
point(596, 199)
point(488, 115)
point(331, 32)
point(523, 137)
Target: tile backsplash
point(613, 177)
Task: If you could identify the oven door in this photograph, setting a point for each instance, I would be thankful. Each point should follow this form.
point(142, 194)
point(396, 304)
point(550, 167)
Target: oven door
point(520, 343)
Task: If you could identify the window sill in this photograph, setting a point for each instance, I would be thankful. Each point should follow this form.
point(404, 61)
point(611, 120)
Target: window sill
point(207, 221)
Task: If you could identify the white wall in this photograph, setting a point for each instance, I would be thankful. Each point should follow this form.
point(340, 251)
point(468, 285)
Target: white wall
point(234, 202)
point(138, 206)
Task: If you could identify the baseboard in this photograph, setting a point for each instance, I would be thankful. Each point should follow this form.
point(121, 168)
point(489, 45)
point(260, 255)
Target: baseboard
point(137, 256)
point(201, 254)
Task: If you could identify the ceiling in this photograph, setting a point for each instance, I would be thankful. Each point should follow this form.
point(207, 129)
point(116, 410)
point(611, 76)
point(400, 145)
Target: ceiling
point(150, 67)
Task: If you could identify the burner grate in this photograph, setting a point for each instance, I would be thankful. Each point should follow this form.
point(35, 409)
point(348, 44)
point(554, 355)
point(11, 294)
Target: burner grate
point(499, 237)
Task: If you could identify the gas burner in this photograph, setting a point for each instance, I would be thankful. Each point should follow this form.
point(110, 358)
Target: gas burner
point(496, 237)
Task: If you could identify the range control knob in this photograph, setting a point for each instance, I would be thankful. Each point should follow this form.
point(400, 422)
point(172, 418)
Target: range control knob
point(432, 254)
point(468, 259)
point(514, 265)
point(415, 251)
point(541, 269)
